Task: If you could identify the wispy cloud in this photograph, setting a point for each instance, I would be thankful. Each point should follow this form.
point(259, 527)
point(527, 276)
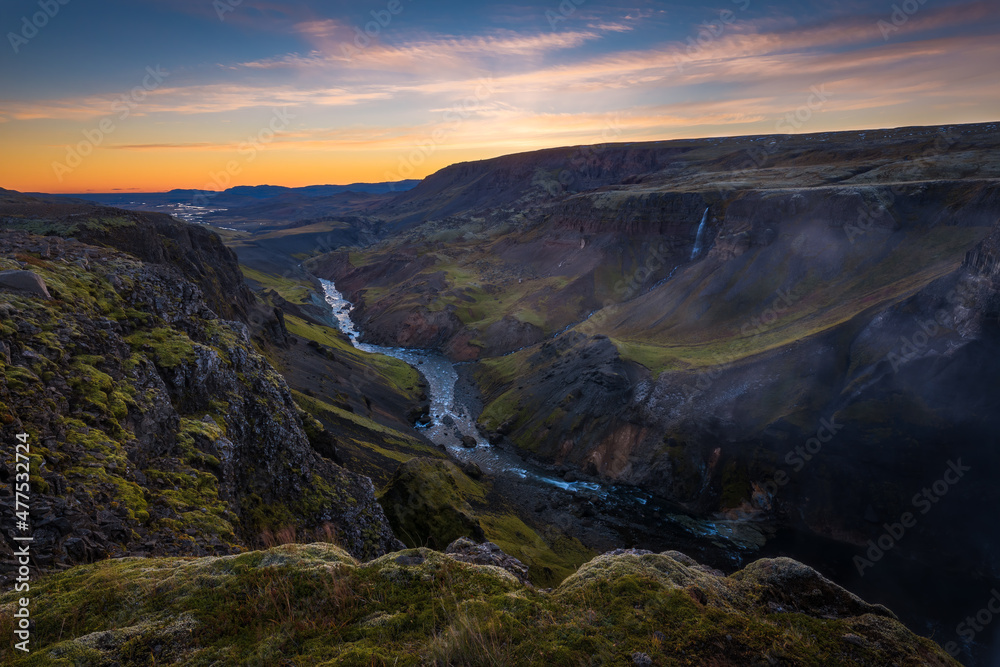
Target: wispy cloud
point(546, 87)
point(187, 100)
point(335, 48)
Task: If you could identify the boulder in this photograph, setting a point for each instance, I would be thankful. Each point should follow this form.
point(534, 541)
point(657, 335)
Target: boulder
point(487, 553)
point(25, 281)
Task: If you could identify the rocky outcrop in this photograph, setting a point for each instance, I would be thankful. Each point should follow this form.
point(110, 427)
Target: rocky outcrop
point(465, 550)
point(423, 607)
point(154, 238)
point(155, 426)
point(26, 281)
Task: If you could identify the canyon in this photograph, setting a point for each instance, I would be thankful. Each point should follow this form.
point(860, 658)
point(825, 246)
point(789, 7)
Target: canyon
point(737, 348)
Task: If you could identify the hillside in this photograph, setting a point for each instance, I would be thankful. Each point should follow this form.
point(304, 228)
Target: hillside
point(748, 326)
point(156, 426)
point(315, 604)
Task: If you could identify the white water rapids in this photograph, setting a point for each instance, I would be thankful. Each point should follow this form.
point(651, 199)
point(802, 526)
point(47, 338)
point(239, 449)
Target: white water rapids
point(450, 421)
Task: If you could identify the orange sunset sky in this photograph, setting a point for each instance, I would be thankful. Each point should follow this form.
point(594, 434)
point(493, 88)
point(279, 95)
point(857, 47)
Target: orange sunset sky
point(198, 94)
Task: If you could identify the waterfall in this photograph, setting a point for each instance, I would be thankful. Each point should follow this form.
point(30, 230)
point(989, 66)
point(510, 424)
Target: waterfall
point(698, 237)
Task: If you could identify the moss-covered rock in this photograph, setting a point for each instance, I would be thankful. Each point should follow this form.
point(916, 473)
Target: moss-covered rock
point(155, 426)
point(426, 503)
point(316, 605)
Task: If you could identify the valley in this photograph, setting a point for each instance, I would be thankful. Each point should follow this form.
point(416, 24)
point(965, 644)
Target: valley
point(458, 334)
point(736, 349)
point(835, 275)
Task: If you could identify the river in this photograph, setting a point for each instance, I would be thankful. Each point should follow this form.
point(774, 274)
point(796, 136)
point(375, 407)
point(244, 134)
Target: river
point(642, 520)
point(727, 542)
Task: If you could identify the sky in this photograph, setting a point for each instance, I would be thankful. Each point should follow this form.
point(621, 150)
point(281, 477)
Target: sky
point(160, 94)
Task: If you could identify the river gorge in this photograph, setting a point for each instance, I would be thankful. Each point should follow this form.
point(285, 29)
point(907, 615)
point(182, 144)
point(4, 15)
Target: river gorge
point(625, 516)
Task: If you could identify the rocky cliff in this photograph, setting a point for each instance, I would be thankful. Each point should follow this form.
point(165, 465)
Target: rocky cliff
point(155, 424)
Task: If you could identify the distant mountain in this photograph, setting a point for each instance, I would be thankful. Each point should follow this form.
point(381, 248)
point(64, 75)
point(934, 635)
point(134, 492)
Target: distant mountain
point(240, 193)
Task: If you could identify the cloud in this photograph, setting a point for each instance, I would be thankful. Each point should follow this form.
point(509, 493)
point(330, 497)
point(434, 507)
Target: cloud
point(611, 27)
point(187, 100)
point(338, 46)
point(755, 71)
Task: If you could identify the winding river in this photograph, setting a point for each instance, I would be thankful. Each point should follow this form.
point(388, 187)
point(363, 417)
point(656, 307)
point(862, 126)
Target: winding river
point(658, 524)
point(450, 422)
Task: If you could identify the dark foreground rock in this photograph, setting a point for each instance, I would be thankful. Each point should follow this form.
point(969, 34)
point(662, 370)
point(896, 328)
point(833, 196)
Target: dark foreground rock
point(487, 553)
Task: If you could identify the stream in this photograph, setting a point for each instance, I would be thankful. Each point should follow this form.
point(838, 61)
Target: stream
point(450, 421)
point(633, 517)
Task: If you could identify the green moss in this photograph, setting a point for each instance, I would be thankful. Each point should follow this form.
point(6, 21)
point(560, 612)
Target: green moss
point(393, 372)
point(426, 502)
point(549, 561)
point(168, 347)
point(294, 291)
point(314, 604)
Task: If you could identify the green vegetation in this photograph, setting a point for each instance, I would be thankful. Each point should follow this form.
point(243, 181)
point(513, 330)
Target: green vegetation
point(366, 446)
point(431, 502)
point(314, 604)
point(549, 560)
point(396, 373)
point(168, 347)
point(295, 291)
point(426, 502)
point(728, 332)
point(471, 281)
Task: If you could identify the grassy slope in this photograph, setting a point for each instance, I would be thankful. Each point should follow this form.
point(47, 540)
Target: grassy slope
point(313, 604)
point(376, 447)
point(432, 502)
point(690, 339)
point(481, 288)
point(372, 444)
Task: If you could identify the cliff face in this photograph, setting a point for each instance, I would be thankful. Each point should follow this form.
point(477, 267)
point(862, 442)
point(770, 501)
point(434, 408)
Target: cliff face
point(843, 300)
point(872, 378)
point(155, 425)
